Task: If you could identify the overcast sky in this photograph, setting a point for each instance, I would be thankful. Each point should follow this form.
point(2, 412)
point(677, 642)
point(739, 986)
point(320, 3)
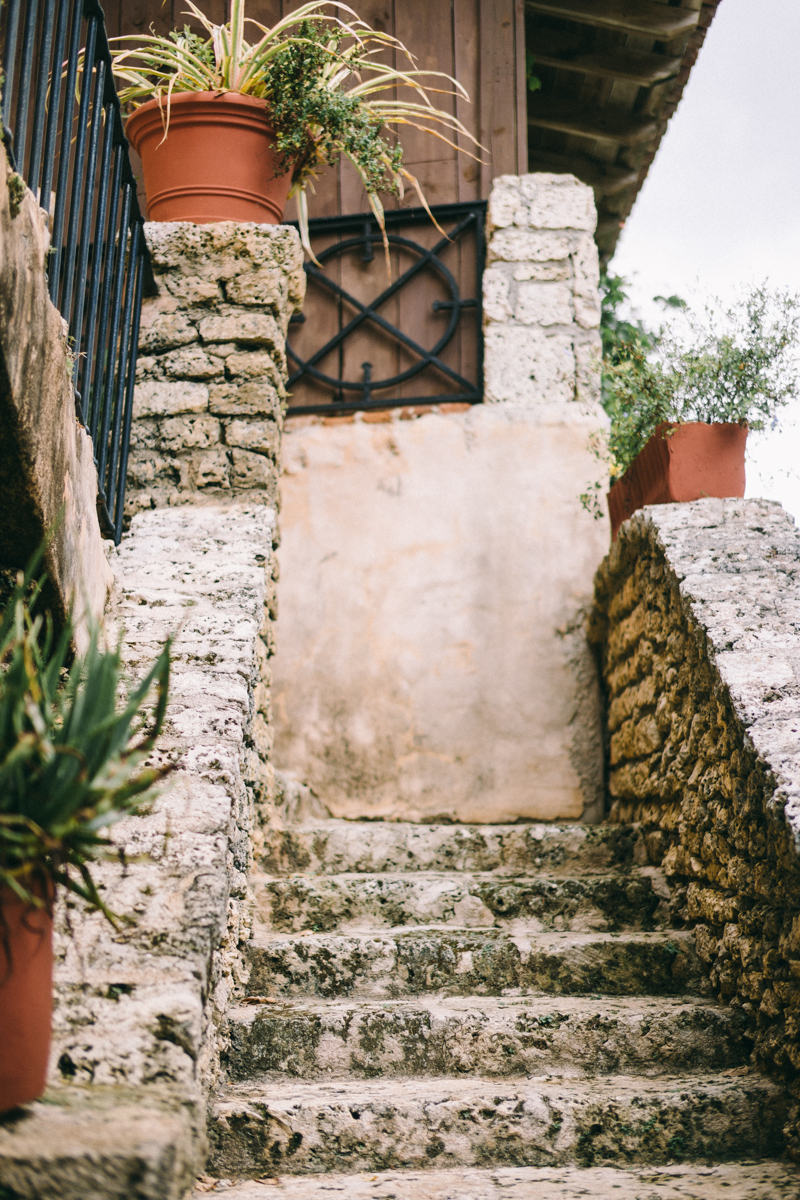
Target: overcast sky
point(721, 205)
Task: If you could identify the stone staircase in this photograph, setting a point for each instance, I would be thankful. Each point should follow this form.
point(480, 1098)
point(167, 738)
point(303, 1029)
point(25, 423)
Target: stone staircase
point(470, 1012)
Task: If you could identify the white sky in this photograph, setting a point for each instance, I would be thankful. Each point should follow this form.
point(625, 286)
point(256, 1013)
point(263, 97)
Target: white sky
point(721, 204)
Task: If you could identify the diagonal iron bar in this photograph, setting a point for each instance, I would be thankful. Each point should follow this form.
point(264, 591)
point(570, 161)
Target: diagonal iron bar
point(368, 311)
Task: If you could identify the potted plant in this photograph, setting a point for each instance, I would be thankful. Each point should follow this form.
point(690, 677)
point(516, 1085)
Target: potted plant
point(71, 755)
point(228, 129)
point(681, 403)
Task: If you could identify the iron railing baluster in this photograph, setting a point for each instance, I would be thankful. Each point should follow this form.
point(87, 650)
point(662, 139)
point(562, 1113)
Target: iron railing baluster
point(98, 257)
point(105, 302)
point(9, 60)
point(25, 79)
point(79, 182)
point(49, 156)
point(112, 484)
point(88, 201)
point(37, 133)
point(101, 450)
point(64, 153)
point(125, 441)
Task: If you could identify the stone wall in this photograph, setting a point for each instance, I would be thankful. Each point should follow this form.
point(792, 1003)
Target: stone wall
point(430, 657)
point(138, 1021)
point(139, 1011)
point(541, 303)
point(48, 479)
point(697, 616)
point(208, 406)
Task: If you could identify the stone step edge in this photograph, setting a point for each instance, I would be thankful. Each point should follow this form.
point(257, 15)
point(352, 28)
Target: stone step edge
point(318, 843)
point(248, 1008)
point(333, 1039)
point(540, 941)
point(424, 1124)
point(746, 1180)
point(261, 880)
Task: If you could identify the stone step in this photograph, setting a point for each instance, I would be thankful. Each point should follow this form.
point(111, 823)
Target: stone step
point(636, 899)
point(686, 1181)
point(333, 847)
point(490, 1037)
point(101, 1143)
point(463, 962)
point(309, 1128)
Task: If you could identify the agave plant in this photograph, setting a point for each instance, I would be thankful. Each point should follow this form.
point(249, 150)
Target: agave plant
point(323, 84)
point(70, 751)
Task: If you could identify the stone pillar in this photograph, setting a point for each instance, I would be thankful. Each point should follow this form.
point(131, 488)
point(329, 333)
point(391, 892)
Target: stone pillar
point(210, 391)
point(540, 294)
point(208, 410)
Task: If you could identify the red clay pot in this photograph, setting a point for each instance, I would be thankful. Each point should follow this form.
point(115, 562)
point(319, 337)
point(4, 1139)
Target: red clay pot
point(217, 164)
point(679, 463)
point(26, 1000)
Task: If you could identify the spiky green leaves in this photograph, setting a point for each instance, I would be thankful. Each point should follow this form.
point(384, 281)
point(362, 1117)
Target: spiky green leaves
point(72, 747)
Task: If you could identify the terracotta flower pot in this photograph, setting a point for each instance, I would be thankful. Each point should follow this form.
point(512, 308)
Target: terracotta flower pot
point(679, 463)
point(218, 162)
point(26, 1000)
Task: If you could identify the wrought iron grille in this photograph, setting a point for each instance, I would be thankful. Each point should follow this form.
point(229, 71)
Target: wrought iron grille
point(366, 341)
point(63, 131)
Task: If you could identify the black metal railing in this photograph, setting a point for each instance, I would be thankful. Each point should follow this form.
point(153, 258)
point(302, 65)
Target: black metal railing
point(327, 371)
point(63, 130)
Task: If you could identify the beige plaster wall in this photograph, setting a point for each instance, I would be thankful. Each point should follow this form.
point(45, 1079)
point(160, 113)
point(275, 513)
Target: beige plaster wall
point(430, 657)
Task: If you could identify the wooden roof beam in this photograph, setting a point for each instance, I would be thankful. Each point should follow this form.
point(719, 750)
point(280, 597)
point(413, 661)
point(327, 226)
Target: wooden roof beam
point(551, 49)
point(606, 180)
point(659, 21)
point(625, 129)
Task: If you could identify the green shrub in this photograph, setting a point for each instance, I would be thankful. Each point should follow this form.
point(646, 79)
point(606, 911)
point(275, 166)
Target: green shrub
point(735, 364)
point(72, 742)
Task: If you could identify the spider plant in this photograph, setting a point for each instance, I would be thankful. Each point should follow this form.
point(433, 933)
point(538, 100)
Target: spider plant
point(327, 91)
point(71, 750)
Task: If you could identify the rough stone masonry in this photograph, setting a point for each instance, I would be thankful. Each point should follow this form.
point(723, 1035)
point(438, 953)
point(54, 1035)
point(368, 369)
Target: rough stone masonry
point(697, 616)
point(208, 409)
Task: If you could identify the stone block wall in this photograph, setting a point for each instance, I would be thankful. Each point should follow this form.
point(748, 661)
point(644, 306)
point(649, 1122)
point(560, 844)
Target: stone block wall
point(697, 619)
point(138, 1015)
point(208, 407)
point(541, 303)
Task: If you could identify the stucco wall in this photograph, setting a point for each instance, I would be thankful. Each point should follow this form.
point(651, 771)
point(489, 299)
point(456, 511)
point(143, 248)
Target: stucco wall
point(48, 480)
point(697, 616)
point(430, 657)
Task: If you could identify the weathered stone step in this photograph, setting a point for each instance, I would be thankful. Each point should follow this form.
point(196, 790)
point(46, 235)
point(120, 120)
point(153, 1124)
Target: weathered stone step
point(333, 847)
point(686, 1181)
point(464, 899)
point(100, 1143)
point(465, 962)
point(490, 1037)
point(390, 1124)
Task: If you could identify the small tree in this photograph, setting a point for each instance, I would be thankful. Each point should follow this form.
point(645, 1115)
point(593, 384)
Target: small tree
point(731, 364)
